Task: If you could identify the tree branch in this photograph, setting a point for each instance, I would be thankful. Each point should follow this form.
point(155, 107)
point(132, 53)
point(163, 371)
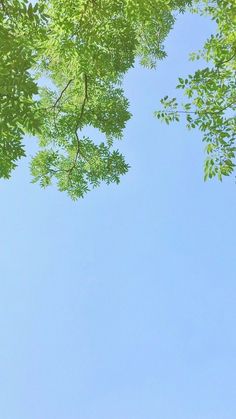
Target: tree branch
point(85, 98)
point(197, 112)
point(62, 92)
point(219, 63)
point(78, 152)
point(58, 99)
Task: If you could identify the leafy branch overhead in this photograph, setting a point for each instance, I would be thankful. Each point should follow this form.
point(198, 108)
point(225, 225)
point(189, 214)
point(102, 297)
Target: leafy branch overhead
point(211, 92)
point(80, 50)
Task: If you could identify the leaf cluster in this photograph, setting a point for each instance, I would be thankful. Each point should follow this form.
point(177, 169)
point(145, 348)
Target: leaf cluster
point(210, 92)
point(81, 49)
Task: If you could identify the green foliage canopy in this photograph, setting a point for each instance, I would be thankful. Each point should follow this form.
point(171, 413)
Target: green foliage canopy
point(61, 71)
point(82, 48)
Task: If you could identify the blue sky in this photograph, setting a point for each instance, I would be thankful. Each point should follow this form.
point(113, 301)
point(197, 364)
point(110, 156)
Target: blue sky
point(122, 305)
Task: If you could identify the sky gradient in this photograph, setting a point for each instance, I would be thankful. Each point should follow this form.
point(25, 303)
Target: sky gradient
point(122, 305)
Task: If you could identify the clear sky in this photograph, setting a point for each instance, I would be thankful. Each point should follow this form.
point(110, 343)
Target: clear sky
point(122, 305)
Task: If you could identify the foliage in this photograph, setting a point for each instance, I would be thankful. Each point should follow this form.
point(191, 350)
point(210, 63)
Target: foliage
point(20, 30)
point(210, 92)
point(81, 50)
point(78, 52)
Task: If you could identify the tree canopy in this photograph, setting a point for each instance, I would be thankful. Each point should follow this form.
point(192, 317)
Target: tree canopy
point(61, 70)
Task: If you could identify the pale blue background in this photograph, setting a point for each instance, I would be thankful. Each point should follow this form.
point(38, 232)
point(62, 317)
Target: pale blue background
point(122, 305)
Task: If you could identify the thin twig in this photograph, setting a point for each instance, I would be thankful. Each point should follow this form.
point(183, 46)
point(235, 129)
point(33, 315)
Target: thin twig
point(62, 92)
point(203, 111)
point(58, 99)
point(226, 61)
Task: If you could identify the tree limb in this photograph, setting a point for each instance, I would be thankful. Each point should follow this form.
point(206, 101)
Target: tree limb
point(62, 92)
point(78, 152)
